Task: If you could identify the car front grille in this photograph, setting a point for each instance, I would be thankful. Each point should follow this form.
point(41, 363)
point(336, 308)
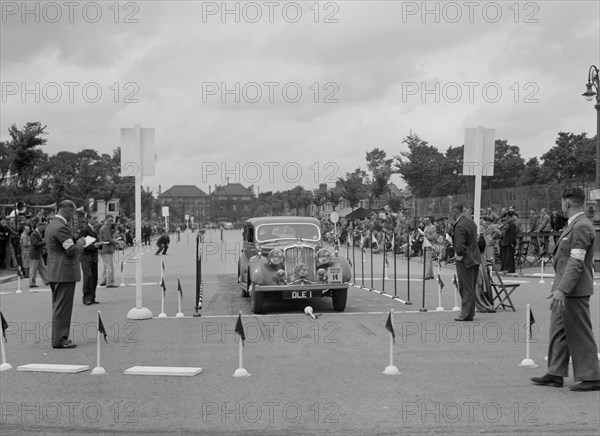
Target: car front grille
point(294, 256)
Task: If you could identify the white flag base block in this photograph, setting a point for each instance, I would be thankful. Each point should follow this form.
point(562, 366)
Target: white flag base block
point(18, 291)
point(439, 309)
point(47, 367)
point(179, 315)
point(528, 363)
point(139, 313)
point(122, 284)
point(391, 370)
point(241, 372)
point(5, 366)
point(456, 309)
point(162, 315)
point(98, 371)
point(179, 371)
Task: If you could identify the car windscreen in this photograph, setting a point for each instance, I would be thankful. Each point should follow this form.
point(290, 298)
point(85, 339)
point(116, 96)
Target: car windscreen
point(269, 232)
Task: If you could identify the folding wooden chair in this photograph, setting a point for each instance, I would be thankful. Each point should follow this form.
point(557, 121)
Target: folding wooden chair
point(503, 293)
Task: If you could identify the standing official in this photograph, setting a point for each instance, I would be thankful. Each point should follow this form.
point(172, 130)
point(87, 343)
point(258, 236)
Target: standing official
point(63, 272)
point(107, 252)
point(467, 257)
point(36, 259)
point(571, 332)
point(89, 262)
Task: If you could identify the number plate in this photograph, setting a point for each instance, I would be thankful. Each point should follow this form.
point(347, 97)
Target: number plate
point(295, 295)
point(334, 274)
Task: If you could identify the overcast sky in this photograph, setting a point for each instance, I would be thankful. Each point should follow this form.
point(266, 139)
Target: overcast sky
point(317, 84)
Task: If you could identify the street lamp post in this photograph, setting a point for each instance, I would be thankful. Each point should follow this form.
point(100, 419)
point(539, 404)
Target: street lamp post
point(593, 90)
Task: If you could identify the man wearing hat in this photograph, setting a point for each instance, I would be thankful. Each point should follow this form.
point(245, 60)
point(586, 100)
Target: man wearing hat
point(63, 272)
point(571, 334)
point(544, 227)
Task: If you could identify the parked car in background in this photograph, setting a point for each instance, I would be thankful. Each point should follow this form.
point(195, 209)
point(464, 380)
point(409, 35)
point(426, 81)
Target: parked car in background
point(284, 257)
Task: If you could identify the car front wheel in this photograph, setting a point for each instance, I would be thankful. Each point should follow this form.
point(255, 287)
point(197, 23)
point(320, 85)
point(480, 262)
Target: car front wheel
point(339, 299)
point(256, 299)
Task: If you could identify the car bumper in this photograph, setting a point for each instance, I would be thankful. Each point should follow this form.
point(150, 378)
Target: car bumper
point(306, 287)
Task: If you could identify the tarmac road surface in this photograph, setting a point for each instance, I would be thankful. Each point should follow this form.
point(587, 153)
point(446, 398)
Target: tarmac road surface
point(308, 376)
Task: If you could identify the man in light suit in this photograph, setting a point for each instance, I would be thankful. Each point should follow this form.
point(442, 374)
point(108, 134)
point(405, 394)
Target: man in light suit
point(467, 256)
point(89, 262)
point(36, 259)
point(571, 332)
point(63, 272)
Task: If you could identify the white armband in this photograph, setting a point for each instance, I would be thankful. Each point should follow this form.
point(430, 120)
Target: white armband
point(68, 243)
point(578, 254)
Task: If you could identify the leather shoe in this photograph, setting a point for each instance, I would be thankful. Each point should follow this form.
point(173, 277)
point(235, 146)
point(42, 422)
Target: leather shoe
point(112, 286)
point(65, 345)
point(586, 386)
point(102, 284)
point(95, 302)
point(548, 380)
point(463, 319)
point(87, 303)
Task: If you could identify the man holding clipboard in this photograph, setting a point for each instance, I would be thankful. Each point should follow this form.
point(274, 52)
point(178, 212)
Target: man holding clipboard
point(89, 261)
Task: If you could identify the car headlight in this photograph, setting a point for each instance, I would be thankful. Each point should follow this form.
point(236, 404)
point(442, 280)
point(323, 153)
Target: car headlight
point(323, 256)
point(276, 256)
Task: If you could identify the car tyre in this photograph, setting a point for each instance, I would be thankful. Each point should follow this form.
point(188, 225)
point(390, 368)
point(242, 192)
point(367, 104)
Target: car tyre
point(339, 299)
point(256, 300)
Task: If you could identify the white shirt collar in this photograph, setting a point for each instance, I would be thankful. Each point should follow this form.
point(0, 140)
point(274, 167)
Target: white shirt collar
point(573, 218)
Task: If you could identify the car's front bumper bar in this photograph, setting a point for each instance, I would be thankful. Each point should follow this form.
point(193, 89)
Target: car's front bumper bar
point(304, 287)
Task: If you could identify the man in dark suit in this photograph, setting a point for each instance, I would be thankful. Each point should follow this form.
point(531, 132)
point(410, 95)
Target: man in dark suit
point(508, 242)
point(571, 332)
point(163, 243)
point(63, 272)
point(464, 239)
point(89, 262)
point(36, 259)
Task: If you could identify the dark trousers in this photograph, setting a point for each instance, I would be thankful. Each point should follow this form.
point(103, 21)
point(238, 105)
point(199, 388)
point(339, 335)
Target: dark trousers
point(162, 248)
point(571, 335)
point(90, 280)
point(507, 258)
point(467, 282)
point(62, 308)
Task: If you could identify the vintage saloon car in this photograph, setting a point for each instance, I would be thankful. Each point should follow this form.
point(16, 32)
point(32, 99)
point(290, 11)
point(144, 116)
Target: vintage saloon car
point(284, 257)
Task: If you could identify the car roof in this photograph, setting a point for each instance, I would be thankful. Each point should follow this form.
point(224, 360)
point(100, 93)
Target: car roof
point(283, 220)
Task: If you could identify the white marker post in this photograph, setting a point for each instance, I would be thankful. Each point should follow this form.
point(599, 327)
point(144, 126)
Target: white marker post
point(528, 362)
point(542, 274)
point(456, 308)
point(137, 159)
point(241, 371)
point(440, 308)
point(391, 369)
point(4, 366)
point(98, 370)
point(18, 284)
point(122, 273)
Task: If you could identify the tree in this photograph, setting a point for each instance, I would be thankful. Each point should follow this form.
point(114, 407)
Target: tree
point(354, 187)
point(381, 168)
point(320, 196)
point(508, 166)
point(24, 155)
point(571, 159)
point(298, 198)
point(421, 166)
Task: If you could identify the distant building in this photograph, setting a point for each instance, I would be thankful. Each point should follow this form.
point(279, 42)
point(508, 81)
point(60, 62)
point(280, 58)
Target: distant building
point(101, 208)
point(186, 200)
point(231, 202)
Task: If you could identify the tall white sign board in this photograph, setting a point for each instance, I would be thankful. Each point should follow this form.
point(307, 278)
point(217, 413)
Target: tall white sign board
point(137, 160)
point(478, 161)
